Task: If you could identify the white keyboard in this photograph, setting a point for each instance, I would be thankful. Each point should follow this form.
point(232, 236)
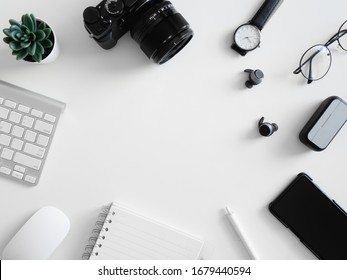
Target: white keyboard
point(27, 125)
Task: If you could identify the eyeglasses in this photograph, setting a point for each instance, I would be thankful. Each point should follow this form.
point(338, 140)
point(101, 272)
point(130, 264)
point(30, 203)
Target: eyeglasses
point(316, 61)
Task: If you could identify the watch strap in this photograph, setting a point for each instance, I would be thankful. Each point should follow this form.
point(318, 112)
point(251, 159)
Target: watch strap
point(238, 49)
point(264, 13)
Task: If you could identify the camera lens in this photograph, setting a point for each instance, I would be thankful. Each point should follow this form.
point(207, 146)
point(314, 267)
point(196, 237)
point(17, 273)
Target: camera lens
point(160, 30)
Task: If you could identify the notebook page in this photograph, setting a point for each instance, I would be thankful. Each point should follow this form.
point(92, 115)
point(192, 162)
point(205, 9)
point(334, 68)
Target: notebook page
point(128, 235)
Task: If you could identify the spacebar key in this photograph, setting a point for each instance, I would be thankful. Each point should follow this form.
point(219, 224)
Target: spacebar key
point(27, 161)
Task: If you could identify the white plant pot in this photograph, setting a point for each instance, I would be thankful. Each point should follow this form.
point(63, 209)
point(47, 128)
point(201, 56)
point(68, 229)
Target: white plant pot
point(53, 55)
point(53, 52)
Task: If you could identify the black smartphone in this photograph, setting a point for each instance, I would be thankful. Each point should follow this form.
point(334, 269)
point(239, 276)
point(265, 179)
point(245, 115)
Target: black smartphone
point(319, 222)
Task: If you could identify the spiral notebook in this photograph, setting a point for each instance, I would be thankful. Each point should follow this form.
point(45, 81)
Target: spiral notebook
point(122, 234)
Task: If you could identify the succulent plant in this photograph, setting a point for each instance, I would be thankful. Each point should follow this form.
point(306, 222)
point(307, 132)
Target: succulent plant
point(28, 37)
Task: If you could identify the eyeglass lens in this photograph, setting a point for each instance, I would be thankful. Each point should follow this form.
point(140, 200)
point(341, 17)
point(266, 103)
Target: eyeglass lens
point(315, 63)
point(342, 36)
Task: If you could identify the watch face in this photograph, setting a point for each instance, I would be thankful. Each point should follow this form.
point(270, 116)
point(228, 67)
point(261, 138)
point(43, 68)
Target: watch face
point(247, 37)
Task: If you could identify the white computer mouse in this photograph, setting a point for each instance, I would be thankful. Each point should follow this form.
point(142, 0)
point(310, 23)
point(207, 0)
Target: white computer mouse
point(39, 236)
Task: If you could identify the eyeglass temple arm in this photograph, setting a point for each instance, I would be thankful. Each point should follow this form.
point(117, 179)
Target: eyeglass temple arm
point(298, 70)
point(309, 80)
point(333, 39)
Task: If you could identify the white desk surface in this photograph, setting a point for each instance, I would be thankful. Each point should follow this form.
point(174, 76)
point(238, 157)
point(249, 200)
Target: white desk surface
point(178, 142)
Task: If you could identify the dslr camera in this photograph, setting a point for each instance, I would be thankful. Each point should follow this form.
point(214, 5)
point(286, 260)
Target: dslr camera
point(155, 25)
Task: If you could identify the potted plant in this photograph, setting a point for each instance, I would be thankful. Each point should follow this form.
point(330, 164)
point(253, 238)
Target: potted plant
point(31, 40)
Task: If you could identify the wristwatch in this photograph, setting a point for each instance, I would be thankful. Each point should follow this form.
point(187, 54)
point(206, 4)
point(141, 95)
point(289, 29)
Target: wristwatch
point(247, 36)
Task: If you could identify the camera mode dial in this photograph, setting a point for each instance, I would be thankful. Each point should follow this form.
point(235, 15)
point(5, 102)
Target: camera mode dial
point(114, 7)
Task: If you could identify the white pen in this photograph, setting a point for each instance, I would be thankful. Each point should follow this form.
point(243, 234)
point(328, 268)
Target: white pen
point(236, 226)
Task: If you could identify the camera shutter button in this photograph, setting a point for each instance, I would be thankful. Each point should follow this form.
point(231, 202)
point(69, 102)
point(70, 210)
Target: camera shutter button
point(91, 15)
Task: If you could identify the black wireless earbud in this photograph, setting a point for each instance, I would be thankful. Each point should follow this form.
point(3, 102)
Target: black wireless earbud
point(255, 77)
point(266, 129)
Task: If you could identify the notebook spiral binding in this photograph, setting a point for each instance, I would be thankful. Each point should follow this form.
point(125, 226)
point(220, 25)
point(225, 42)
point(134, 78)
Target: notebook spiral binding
point(100, 226)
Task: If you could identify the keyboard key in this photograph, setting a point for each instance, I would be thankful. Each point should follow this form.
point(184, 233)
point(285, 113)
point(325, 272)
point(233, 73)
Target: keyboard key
point(4, 113)
point(5, 170)
point(7, 154)
point(36, 113)
point(17, 131)
point(27, 161)
point(23, 108)
point(20, 169)
point(1, 100)
point(42, 140)
point(30, 179)
point(15, 117)
point(5, 127)
point(43, 127)
point(17, 175)
point(17, 144)
point(30, 136)
point(10, 104)
point(28, 121)
point(5, 139)
point(34, 150)
point(50, 118)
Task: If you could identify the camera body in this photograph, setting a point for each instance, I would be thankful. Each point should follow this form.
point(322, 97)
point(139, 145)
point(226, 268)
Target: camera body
point(155, 25)
point(106, 22)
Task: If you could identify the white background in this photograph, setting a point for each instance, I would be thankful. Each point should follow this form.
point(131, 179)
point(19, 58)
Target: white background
point(178, 142)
